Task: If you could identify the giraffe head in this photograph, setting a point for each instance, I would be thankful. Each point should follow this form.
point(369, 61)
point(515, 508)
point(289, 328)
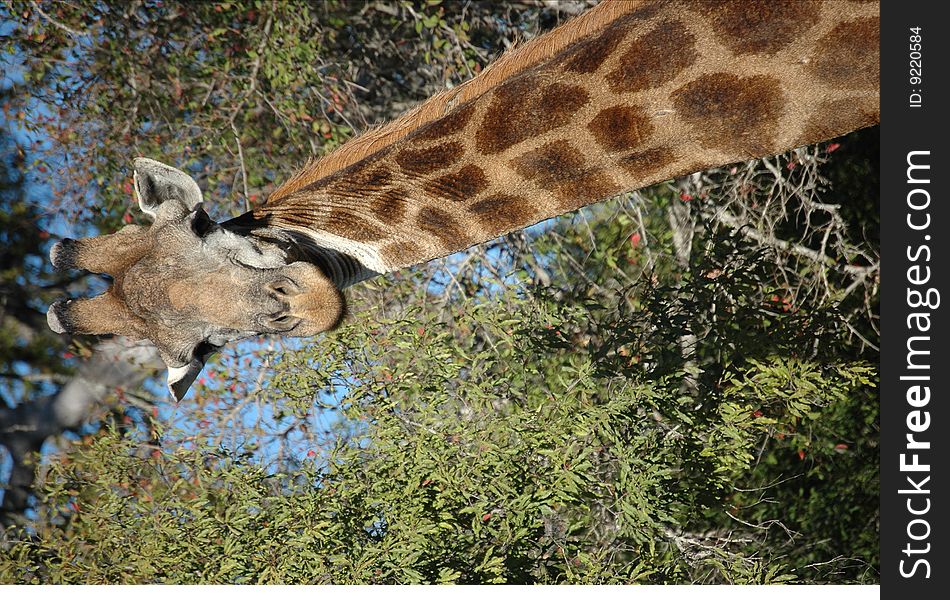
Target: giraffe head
point(188, 284)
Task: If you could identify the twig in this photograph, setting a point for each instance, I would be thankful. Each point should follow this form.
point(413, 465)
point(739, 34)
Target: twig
point(237, 138)
point(861, 337)
point(135, 107)
point(49, 377)
point(255, 69)
point(56, 23)
point(765, 526)
point(734, 222)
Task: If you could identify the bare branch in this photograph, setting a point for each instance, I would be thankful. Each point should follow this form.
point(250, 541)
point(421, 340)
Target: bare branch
point(55, 23)
point(730, 220)
point(237, 138)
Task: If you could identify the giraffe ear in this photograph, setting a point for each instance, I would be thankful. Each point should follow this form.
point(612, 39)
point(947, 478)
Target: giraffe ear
point(164, 191)
point(181, 377)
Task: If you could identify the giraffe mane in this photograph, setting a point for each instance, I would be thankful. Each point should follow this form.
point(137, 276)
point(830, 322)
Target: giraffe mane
point(510, 64)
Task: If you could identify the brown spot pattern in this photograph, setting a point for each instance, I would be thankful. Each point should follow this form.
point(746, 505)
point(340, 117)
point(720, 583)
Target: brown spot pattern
point(521, 111)
point(401, 253)
point(425, 160)
point(340, 221)
point(362, 182)
point(837, 117)
point(647, 11)
point(443, 226)
point(390, 206)
point(734, 114)
point(588, 56)
point(549, 162)
point(501, 213)
point(561, 169)
point(760, 26)
point(654, 59)
point(451, 123)
point(849, 55)
point(346, 224)
point(460, 185)
point(621, 127)
point(641, 164)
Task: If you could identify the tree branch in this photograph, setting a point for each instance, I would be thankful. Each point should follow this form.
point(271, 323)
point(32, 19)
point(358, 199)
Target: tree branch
point(730, 220)
point(56, 23)
point(23, 429)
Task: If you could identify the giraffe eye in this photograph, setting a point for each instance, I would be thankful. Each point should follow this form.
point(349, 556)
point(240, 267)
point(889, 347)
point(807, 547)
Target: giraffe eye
point(204, 349)
point(201, 223)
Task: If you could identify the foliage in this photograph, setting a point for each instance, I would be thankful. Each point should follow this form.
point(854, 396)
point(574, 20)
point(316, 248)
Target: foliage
point(514, 438)
point(675, 386)
point(236, 92)
point(30, 354)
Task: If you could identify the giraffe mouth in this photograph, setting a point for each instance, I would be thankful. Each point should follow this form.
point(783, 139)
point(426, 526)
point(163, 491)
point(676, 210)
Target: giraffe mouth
point(313, 304)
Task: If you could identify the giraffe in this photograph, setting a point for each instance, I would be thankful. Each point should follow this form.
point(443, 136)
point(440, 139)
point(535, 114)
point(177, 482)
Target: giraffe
point(628, 94)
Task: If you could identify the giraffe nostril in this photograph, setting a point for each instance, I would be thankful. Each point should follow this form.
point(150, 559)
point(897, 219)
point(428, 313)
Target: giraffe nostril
point(280, 321)
point(283, 287)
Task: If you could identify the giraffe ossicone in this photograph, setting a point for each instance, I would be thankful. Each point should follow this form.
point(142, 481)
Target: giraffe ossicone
point(626, 95)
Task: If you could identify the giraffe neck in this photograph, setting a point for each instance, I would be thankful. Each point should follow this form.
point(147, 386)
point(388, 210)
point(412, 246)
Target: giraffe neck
point(655, 91)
